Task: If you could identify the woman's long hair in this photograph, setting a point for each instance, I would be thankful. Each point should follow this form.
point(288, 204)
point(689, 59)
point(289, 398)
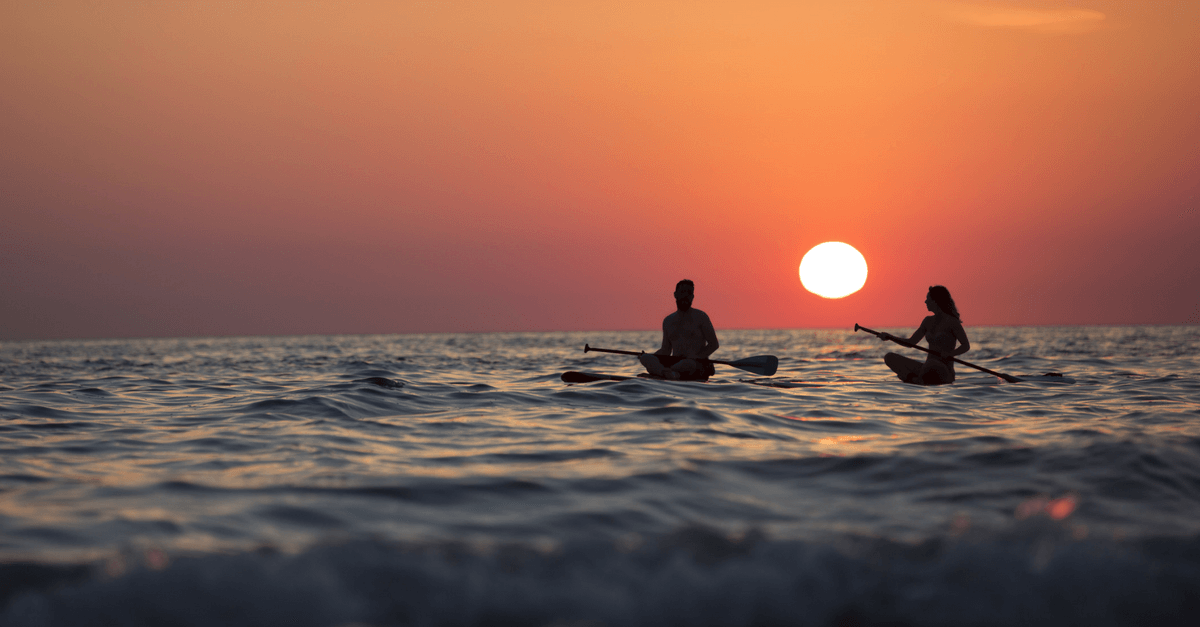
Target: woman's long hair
point(941, 296)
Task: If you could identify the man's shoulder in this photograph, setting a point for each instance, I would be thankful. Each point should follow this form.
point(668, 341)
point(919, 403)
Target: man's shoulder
point(693, 315)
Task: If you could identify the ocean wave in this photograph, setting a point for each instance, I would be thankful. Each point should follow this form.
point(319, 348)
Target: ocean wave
point(694, 576)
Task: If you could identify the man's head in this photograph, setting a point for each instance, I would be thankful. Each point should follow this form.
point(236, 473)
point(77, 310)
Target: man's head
point(684, 292)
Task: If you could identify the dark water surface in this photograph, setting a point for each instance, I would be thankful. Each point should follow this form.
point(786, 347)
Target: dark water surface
point(454, 480)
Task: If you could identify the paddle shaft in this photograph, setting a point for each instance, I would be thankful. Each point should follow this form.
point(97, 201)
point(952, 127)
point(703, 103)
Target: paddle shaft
point(666, 360)
point(1006, 377)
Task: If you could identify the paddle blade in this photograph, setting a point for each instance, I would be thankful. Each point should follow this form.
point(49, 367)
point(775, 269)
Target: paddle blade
point(764, 365)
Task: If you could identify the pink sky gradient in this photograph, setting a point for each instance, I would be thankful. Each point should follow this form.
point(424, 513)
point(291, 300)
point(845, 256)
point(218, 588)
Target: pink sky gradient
point(213, 168)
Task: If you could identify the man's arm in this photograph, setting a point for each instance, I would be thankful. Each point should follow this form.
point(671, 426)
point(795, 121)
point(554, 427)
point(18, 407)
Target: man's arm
point(666, 342)
point(710, 338)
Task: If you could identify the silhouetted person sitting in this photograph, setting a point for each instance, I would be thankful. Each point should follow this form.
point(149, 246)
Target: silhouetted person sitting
point(687, 333)
point(943, 330)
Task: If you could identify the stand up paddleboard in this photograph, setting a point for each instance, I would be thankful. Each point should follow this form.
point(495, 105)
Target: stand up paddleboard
point(572, 376)
point(1049, 377)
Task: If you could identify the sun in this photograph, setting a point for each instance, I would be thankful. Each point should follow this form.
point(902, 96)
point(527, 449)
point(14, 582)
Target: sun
point(833, 270)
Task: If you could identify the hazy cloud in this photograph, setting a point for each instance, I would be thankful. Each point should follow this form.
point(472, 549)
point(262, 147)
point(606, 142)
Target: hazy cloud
point(1035, 19)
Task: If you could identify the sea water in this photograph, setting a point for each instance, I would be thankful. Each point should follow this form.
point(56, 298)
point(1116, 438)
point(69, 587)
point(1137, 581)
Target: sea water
point(455, 480)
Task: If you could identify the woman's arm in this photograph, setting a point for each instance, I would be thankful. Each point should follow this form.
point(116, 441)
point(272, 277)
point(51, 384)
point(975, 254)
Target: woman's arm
point(916, 336)
point(920, 332)
point(964, 344)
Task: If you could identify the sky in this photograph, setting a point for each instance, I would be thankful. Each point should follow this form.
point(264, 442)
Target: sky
point(218, 168)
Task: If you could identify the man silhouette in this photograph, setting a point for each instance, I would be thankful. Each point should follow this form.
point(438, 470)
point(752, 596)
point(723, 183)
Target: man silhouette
point(687, 333)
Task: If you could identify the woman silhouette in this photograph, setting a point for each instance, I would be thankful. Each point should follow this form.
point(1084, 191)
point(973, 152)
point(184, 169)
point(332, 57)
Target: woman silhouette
point(942, 330)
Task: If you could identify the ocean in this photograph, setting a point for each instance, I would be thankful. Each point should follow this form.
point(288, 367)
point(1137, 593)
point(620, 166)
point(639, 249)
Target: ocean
point(454, 479)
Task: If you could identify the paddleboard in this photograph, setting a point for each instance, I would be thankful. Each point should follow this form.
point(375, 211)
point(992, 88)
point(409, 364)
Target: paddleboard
point(572, 376)
point(795, 383)
point(1049, 377)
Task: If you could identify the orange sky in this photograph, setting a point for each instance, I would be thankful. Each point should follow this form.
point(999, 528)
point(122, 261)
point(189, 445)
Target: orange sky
point(212, 168)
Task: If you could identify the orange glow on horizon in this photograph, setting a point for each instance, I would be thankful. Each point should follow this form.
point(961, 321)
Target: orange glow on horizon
point(368, 166)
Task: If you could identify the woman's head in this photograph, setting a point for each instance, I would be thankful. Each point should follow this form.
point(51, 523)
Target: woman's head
point(941, 296)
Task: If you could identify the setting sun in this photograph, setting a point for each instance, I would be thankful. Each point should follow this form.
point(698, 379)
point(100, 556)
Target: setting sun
point(833, 270)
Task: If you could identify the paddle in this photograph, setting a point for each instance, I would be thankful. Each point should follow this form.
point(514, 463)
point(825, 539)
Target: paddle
point(765, 365)
point(1006, 377)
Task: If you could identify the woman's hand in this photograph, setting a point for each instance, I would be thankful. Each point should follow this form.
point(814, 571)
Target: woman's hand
point(883, 337)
